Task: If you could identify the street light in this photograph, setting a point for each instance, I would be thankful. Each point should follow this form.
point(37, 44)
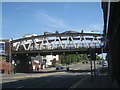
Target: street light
point(101, 44)
point(101, 48)
point(10, 56)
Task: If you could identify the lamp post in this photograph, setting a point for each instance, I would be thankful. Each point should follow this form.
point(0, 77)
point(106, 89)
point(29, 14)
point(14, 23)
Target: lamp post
point(101, 49)
point(10, 56)
point(91, 65)
point(100, 46)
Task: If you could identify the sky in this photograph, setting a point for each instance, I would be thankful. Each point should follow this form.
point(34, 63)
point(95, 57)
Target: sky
point(19, 18)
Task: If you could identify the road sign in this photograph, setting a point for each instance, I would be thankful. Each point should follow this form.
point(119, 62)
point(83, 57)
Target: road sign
point(2, 47)
point(88, 55)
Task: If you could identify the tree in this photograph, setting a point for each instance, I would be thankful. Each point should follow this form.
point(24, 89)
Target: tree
point(73, 58)
point(98, 57)
point(54, 62)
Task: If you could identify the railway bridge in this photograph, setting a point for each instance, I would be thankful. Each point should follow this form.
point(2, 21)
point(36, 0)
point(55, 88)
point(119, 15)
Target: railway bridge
point(69, 42)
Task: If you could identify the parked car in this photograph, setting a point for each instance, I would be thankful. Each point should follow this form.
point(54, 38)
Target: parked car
point(105, 63)
point(59, 68)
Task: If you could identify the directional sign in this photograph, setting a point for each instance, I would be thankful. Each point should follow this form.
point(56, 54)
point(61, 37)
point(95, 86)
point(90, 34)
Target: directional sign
point(2, 47)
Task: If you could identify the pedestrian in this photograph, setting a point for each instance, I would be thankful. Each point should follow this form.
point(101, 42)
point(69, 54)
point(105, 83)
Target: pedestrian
point(67, 68)
point(15, 68)
point(41, 66)
point(37, 68)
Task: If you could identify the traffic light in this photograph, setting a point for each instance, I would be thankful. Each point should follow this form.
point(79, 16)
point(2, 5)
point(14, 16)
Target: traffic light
point(88, 55)
point(7, 58)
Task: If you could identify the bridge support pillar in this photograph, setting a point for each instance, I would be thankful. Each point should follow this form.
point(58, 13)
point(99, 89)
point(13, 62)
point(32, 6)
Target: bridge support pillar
point(92, 58)
point(23, 63)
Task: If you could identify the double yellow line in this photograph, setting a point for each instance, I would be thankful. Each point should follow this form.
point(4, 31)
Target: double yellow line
point(40, 75)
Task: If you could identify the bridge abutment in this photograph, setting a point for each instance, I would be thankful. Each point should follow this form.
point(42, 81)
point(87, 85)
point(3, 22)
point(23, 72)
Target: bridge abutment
point(23, 63)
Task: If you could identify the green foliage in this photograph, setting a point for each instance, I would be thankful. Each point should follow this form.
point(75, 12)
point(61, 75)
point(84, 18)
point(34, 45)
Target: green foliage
point(73, 58)
point(98, 57)
point(54, 63)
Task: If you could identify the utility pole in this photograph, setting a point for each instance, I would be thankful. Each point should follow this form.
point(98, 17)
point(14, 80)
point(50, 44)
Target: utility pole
point(91, 64)
point(92, 58)
point(10, 57)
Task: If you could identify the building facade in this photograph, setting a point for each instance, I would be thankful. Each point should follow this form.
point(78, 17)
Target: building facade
point(42, 62)
point(5, 66)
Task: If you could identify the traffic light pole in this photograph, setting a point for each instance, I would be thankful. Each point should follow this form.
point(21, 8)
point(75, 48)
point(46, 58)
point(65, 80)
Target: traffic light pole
point(92, 58)
point(91, 68)
point(91, 64)
point(94, 68)
point(10, 57)
point(9, 72)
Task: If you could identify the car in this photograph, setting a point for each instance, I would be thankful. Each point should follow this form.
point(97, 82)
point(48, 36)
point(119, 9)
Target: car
point(59, 68)
point(105, 63)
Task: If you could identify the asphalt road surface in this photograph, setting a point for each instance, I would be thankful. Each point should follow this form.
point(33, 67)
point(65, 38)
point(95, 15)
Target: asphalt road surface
point(56, 79)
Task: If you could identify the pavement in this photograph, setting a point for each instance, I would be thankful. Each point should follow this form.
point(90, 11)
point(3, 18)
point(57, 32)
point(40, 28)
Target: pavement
point(102, 80)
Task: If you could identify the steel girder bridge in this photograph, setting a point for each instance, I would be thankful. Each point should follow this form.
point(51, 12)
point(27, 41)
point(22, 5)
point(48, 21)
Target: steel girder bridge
point(58, 43)
point(52, 44)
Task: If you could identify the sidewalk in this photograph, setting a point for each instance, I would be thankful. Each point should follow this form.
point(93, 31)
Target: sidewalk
point(100, 81)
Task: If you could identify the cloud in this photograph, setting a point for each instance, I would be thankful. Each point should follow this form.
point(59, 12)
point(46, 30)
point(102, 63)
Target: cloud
point(51, 21)
point(88, 28)
point(95, 27)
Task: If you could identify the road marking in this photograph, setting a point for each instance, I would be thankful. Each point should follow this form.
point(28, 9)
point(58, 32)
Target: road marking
point(76, 69)
point(20, 87)
point(40, 75)
point(78, 83)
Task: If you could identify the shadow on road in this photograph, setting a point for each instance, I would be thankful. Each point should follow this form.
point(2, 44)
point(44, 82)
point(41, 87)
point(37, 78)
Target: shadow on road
point(53, 71)
point(78, 71)
point(62, 81)
point(69, 71)
point(52, 81)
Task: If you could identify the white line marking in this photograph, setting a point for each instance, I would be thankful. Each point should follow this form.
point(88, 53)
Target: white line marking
point(20, 87)
point(78, 83)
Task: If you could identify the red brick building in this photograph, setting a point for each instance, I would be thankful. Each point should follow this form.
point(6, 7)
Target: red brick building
point(4, 51)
